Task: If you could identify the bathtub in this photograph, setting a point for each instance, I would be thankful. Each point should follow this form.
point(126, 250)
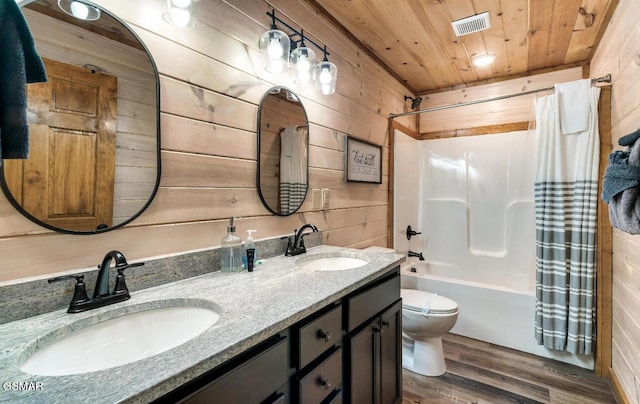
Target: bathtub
point(498, 311)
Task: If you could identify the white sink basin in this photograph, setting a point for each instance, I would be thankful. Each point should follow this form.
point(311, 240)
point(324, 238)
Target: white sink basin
point(120, 340)
point(331, 263)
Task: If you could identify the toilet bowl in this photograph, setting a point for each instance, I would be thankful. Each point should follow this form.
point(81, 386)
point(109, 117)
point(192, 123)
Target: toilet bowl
point(425, 318)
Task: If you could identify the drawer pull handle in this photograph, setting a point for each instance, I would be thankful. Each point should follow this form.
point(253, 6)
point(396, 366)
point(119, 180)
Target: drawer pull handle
point(325, 383)
point(385, 323)
point(325, 335)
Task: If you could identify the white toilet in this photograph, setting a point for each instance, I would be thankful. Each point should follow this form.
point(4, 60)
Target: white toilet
point(425, 318)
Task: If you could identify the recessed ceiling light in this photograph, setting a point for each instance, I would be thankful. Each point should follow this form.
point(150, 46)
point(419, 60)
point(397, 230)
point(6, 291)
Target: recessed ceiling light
point(79, 10)
point(483, 60)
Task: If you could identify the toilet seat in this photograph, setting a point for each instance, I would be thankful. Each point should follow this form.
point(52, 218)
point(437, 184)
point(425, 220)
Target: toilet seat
point(416, 300)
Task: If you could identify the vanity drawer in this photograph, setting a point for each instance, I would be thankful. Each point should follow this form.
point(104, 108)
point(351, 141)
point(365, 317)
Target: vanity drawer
point(262, 378)
point(322, 380)
point(318, 336)
point(364, 305)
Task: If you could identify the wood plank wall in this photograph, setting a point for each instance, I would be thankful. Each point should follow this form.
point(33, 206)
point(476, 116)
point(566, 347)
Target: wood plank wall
point(135, 174)
point(618, 54)
point(212, 79)
point(455, 122)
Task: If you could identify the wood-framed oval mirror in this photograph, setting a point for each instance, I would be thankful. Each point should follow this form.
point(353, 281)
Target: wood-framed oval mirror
point(94, 137)
point(283, 151)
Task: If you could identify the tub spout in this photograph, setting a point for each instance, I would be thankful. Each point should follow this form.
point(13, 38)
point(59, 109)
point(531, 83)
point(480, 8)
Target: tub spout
point(415, 254)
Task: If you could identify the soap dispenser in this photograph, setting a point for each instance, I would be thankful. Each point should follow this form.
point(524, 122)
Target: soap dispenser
point(231, 250)
point(249, 244)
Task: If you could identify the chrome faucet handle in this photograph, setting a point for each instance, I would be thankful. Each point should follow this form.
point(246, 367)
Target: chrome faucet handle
point(79, 293)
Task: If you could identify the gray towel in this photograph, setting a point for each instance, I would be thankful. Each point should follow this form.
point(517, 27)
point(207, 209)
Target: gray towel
point(630, 139)
point(619, 175)
point(19, 64)
point(624, 207)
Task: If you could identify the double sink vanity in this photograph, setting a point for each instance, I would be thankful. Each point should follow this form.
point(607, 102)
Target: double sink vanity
point(319, 327)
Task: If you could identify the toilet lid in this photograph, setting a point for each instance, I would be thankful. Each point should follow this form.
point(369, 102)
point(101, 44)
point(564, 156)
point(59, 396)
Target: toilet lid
point(416, 300)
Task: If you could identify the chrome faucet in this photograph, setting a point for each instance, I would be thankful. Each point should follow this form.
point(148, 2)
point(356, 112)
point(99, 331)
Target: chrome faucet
point(101, 296)
point(415, 254)
point(295, 244)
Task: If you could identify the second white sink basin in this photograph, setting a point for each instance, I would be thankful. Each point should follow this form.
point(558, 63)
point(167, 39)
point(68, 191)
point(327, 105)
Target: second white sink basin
point(331, 263)
point(120, 340)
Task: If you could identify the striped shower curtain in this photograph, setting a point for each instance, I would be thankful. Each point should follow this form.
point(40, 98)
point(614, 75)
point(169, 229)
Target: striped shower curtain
point(293, 168)
point(565, 198)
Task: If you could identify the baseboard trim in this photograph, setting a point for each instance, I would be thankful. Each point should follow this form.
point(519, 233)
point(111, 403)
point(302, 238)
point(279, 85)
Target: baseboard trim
point(616, 388)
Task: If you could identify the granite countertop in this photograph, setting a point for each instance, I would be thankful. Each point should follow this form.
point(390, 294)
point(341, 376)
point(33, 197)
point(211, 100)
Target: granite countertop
point(252, 307)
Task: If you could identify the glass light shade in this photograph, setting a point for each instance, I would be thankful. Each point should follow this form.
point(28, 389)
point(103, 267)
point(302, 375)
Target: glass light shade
point(325, 75)
point(303, 59)
point(79, 10)
point(275, 45)
point(483, 60)
point(181, 13)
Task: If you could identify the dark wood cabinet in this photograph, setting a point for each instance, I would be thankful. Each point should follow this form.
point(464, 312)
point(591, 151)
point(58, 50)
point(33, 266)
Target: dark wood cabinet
point(375, 359)
point(373, 343)
point(317, 356)
point(320, 382)
point(390, 336)
point(348, 351)
point(362, 353)
point(261, 378)
point(317, 336)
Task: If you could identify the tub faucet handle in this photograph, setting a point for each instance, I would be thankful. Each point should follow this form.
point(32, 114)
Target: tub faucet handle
point(410, 233)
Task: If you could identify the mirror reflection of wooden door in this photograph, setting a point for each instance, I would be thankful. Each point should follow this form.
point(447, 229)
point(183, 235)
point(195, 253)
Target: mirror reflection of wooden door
point(68, 180)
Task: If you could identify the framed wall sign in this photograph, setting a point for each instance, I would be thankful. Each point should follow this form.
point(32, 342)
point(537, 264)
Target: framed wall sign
point(363, 161)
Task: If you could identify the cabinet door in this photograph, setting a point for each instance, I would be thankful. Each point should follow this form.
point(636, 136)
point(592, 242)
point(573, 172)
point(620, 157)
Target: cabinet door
point(363, 370)
point(375, 359)
point(391, 354)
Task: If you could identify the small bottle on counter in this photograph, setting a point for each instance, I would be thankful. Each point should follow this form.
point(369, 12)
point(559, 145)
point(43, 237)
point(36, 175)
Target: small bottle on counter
point(249, 244)
point(231, 250)
point(250, 258)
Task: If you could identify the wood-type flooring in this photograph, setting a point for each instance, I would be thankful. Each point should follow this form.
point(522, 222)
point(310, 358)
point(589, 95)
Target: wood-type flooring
point(479, 372)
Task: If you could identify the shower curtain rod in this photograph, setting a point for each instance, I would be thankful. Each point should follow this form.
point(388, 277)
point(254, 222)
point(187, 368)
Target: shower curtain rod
point(604, 79)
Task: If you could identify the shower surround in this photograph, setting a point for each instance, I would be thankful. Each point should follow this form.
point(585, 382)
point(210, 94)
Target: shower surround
point(473, 200)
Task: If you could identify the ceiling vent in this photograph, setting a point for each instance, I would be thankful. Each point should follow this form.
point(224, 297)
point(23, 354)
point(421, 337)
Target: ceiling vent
point(469, 25)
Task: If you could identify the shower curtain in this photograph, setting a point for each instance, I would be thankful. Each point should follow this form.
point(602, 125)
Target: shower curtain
point(293, 168)
point(566, 202)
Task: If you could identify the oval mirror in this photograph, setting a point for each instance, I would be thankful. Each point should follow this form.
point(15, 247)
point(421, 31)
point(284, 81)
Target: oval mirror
point(94, 140)
point(283, 151)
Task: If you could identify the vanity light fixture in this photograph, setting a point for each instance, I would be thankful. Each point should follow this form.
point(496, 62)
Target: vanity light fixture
point(79, 10)
point(276, 45)
point(181, 13)
point(325, 75)
point(303, 59)
point(483, 60)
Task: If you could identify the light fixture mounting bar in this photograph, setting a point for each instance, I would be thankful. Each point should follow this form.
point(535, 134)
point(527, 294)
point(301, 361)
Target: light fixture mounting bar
point(273, 16)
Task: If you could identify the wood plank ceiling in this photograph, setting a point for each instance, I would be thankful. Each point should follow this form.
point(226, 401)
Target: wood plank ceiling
point(414, 40)
point(106, 26)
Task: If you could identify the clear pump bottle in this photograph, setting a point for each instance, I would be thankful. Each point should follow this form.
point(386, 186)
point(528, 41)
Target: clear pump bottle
point(231, 250)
